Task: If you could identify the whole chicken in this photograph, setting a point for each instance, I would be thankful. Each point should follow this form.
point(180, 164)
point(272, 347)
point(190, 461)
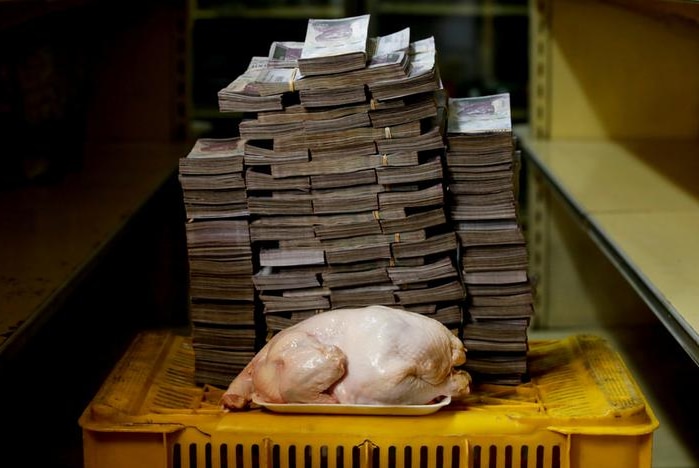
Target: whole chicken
point(373, 355)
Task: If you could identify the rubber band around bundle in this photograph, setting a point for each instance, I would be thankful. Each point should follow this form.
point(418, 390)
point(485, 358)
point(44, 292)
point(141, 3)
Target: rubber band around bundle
point(292, 78)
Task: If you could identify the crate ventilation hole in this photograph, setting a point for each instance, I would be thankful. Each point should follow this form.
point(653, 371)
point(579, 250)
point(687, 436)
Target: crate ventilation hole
point(235, 456)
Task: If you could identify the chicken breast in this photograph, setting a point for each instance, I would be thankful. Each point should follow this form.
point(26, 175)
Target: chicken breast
point(372, 355)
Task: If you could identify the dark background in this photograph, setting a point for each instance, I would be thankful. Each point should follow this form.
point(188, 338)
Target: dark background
point(79, 71)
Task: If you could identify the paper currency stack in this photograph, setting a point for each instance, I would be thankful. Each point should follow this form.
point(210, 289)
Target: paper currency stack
point(343, 140)
point(483, 169)
point(222, 296)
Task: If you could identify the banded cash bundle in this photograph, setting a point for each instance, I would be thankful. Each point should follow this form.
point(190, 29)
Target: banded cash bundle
point(482, 167)
point(243, 93)
point(334, 45)
point(221, 292)
point(211, 177)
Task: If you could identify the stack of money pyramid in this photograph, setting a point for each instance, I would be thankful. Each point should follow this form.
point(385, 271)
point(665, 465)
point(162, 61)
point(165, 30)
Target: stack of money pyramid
point(483, 169)
point(363, 184)
point(344, 149)
point(222, 302)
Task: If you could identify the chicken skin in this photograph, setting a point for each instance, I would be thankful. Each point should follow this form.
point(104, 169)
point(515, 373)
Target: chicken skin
point(373, 355)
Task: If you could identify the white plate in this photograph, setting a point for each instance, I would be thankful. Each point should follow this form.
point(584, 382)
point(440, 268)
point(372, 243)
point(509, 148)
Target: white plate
point(336, 408)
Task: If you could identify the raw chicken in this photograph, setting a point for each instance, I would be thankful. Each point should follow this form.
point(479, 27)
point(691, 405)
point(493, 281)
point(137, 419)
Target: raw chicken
point(373, 355)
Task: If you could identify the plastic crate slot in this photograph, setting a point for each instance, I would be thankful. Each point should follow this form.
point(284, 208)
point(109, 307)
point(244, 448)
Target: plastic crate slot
point(424, 456)
point(307, 456)
point(177, 456)
point(255, 453)
point(356, 456)
point(246, 458)
point(193, 456)
point(174, 397)
point(203, 457)
point(188, 460)
point(223, 455)
point(324, 457)
point(556, 458)
point(508, 456)
point(239, 453)
point(276, 455)
point(408, 456)
point(455, 456)
point(208, 462)
point(476, 456)
point(495, 456)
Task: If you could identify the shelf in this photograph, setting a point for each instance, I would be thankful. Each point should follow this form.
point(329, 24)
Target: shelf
point(288, 12)
point(641, 210)
point(622, 74)
point(58, 232)
point(213, 113)
point(449, 9)
point(612, 141)
point(17, 12)
point(665, 9)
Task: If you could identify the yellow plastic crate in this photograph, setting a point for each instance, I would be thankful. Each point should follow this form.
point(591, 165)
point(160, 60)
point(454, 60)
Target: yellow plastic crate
point(581, 409)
